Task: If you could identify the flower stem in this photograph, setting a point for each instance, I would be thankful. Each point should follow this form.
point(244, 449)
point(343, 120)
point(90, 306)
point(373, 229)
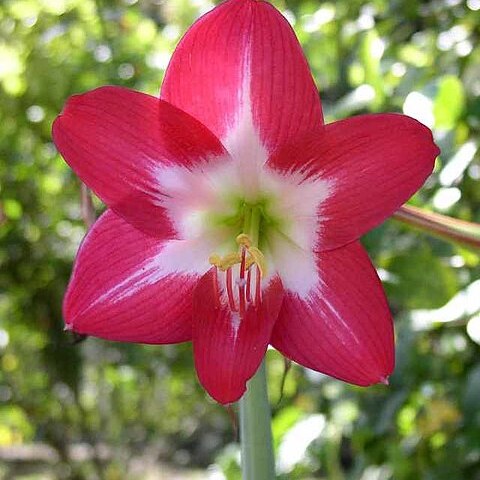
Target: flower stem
point(258, 461)
point(441, 226)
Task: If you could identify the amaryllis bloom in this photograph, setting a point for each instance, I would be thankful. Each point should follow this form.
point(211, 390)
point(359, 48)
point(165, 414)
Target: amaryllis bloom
point(234, 212)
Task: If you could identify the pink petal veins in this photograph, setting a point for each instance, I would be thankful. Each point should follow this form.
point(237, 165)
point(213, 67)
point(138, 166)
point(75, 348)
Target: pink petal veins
point(120, 289)
point(243, 58)
point(229, 347)
point(116, 139)
point(343, 327)
point(372, 164)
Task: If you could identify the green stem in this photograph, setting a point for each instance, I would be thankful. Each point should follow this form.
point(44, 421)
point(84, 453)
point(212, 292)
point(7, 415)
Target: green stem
point(258, 462)
point(442, 226)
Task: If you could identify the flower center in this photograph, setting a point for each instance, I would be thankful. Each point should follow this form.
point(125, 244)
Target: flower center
point(245, 263)
point(255, 219)
point(212, 206)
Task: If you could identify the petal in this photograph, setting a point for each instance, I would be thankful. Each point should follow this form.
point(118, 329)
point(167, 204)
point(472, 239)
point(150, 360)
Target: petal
point(240, 63)
point(228, 349)
point(343, 328)
point(117, 140)
point(119, 290)
point(372, 164)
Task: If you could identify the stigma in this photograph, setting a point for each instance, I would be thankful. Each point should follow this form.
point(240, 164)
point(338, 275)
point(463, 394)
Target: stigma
point(248, 265)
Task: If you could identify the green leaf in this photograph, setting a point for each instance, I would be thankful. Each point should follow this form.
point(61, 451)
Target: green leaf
point(420, 279)
point(449, 103)
point(284, 421)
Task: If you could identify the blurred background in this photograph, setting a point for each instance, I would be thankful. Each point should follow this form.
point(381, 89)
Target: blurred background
point(99, 410)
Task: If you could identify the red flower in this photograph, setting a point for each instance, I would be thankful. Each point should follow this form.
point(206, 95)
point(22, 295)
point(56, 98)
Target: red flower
point(234, 212)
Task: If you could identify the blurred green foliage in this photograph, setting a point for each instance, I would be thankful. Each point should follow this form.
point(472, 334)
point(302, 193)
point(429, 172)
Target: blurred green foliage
point(130, 405)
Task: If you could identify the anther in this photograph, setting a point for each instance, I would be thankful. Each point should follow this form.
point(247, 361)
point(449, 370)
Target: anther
point(226, 262)
point(248, 258)
point(215, 259)
point(244, 240)
point(259, 259)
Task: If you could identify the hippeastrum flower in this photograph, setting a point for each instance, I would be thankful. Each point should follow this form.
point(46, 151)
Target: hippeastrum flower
point(235, 212)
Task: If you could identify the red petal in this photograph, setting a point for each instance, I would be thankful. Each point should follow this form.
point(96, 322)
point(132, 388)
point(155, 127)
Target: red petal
point(344, 327)
point(374, 164)
point(244, 44)
point(225, 358)
point(118, 292)
point(115, 139)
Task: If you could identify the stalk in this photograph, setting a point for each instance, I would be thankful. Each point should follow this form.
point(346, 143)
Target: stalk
point(441, 226)
point(258, 462)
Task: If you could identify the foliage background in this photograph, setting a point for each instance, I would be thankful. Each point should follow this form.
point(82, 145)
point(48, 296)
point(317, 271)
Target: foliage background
point(111, 411)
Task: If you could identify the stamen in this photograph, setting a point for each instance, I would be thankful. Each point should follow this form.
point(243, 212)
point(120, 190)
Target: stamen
point(242, 263)
point(248, 257)
point(249, 279)
point(258, 286)
point(231, 298)
point(215, 287)
point(259, 259)
point(241, 288)
point(244, 240)
point(226, 262)
point(215, 259)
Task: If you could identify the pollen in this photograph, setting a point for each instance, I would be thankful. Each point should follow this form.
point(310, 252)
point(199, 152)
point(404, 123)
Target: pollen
point(244, 240)
point(255, 257)
point(226, 262)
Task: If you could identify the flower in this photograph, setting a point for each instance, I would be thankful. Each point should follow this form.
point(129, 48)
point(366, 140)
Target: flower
point(234, 212)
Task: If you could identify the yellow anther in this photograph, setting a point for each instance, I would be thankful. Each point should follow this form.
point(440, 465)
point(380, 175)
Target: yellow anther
point(254, 257)
point(259, 259)
point(249, 261)
point(244, 240)
point(215, 259)
point(224, 263)
point(230, 260)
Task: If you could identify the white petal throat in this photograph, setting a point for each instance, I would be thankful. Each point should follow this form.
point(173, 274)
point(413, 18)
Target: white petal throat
point(208, 205)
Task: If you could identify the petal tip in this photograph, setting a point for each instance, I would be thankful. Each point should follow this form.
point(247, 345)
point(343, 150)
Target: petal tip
point(231, 399)
point(80, 99)
point(220, 395)
point(68, 327)
point(385, 380)
point(57, 130)
point(70, 104)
